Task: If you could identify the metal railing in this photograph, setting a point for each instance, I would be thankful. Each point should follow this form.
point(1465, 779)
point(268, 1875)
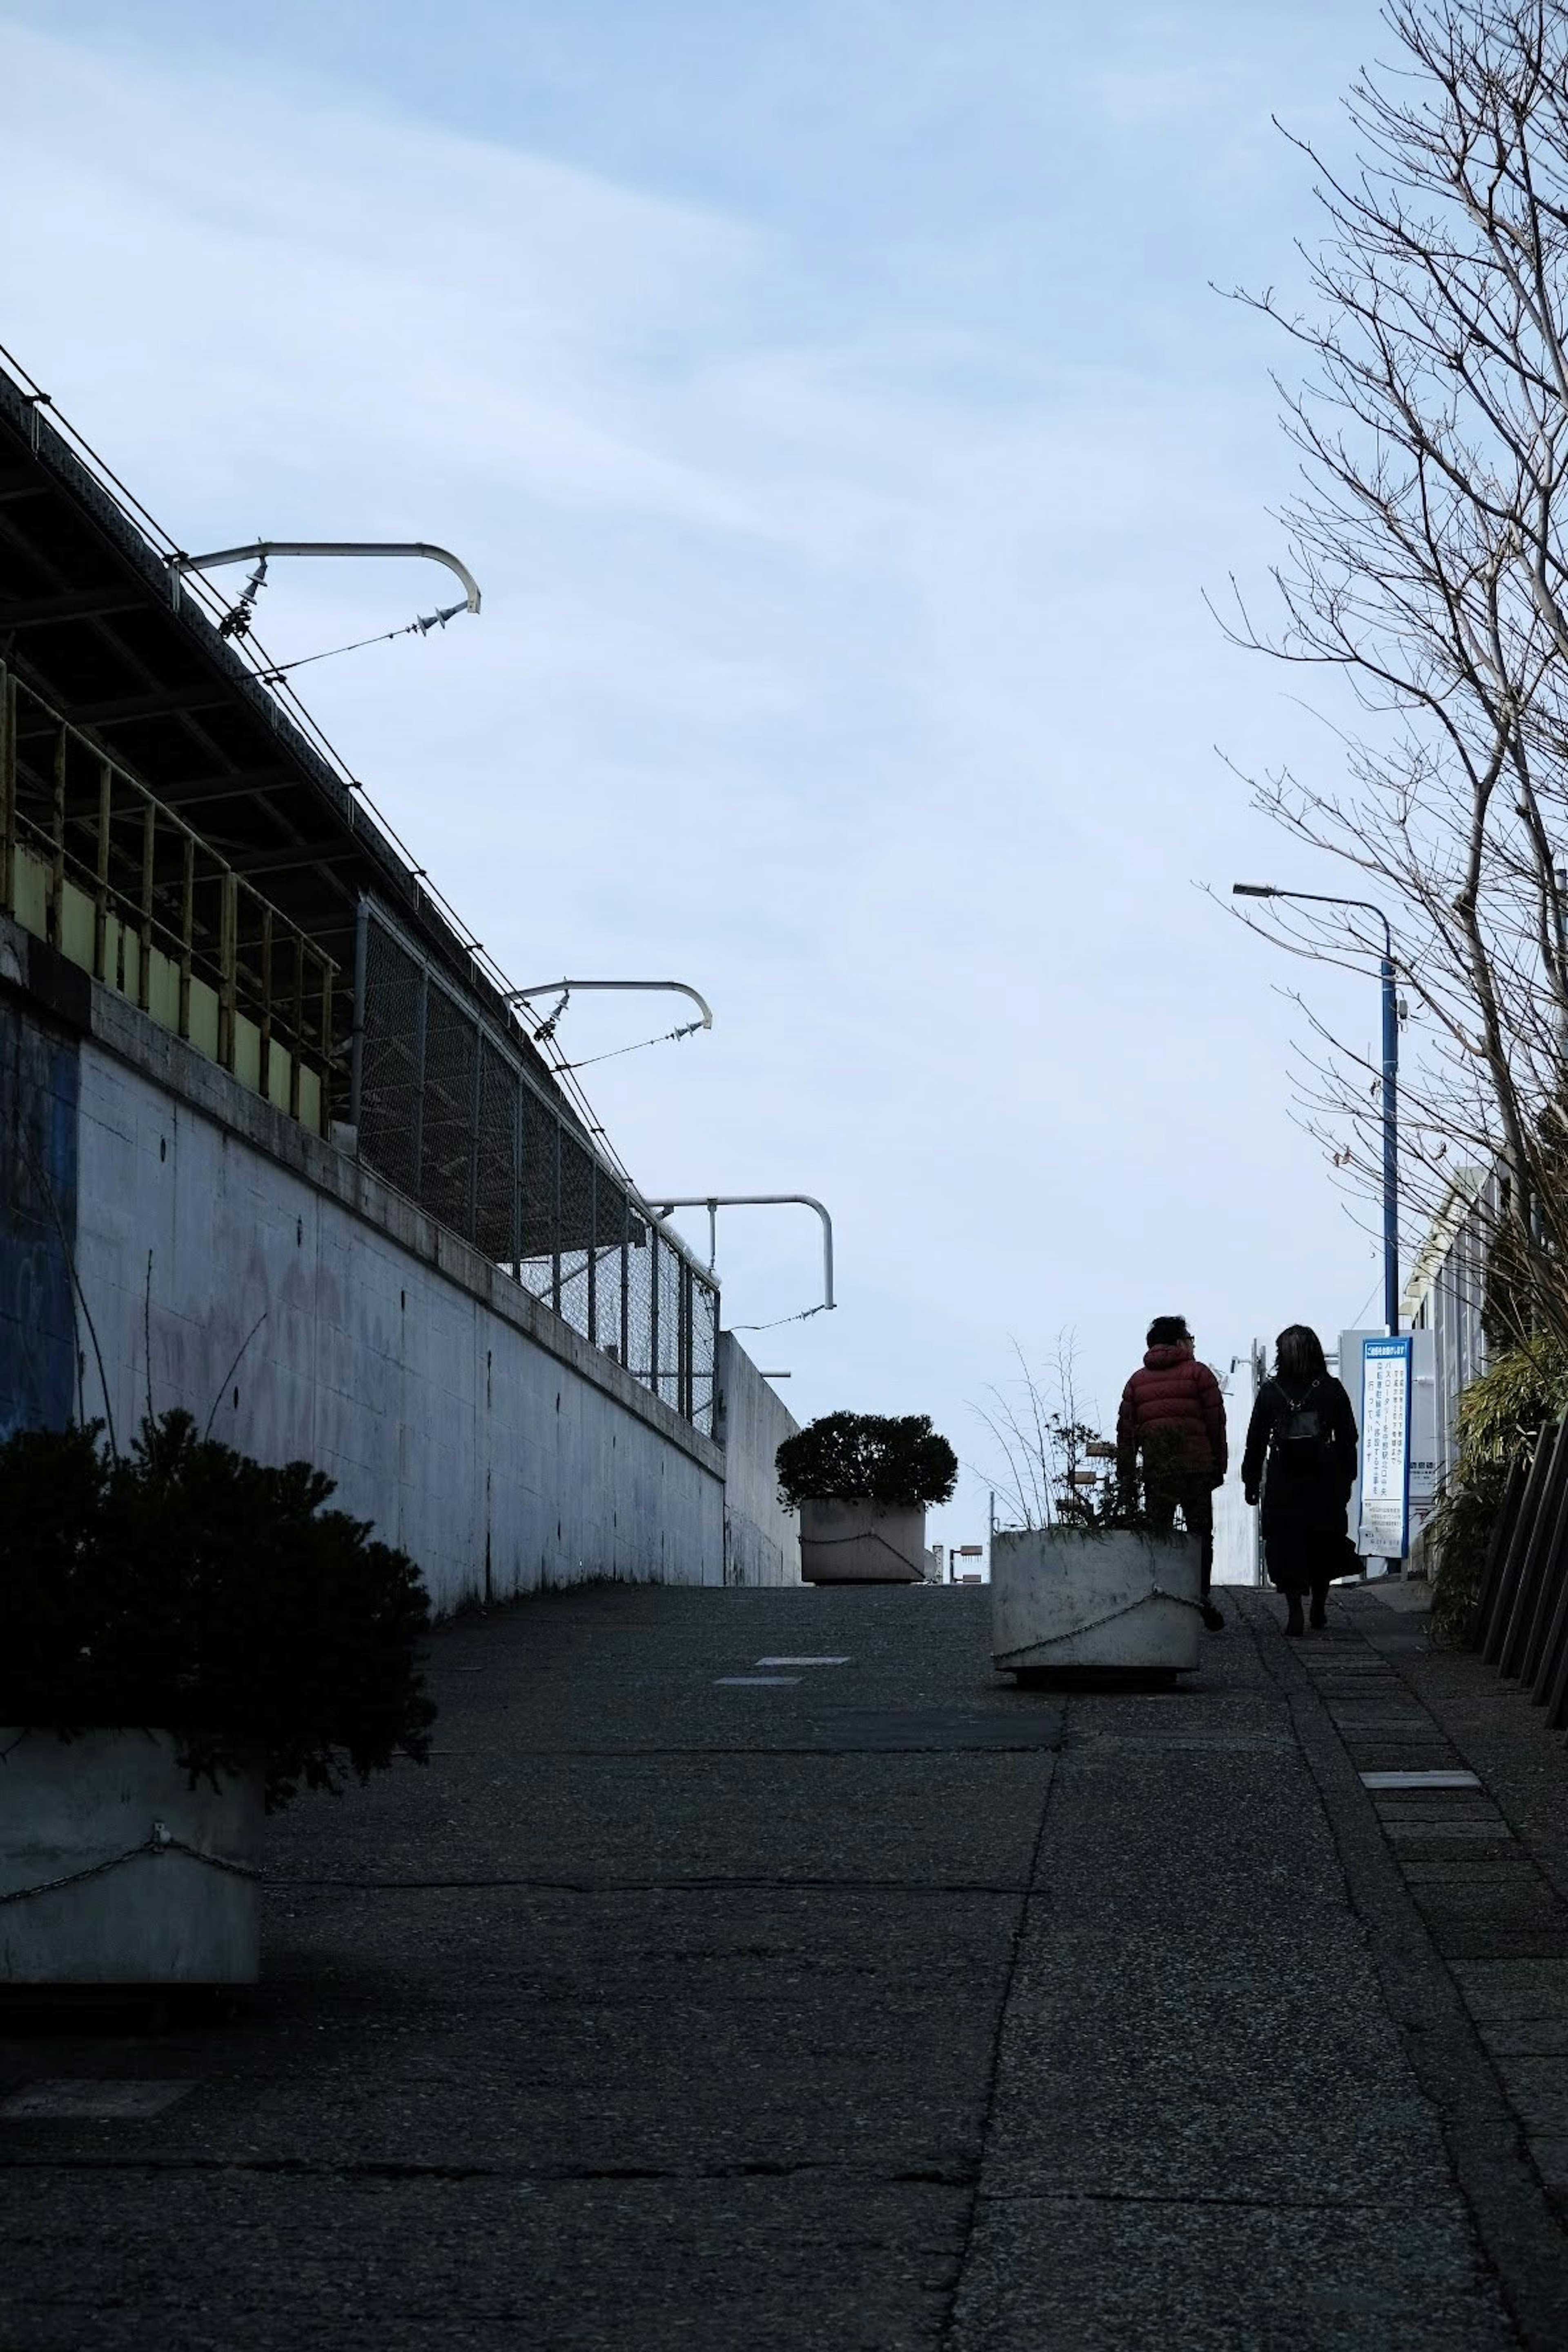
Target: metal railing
point(91, 861)
point(1519, 1623)
point(447, 1112)
point(90, 477)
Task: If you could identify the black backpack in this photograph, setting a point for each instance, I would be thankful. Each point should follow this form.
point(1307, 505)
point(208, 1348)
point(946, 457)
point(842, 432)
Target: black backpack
point(1301, 1441)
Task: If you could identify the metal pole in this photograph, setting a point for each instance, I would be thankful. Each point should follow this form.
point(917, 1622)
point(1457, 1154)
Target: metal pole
point(1389, 1091)
point(1390, 1147)
point(675, 987)
point(714, 1202)
point(1390, 1162)
point(357, 1046)
point(218, 557)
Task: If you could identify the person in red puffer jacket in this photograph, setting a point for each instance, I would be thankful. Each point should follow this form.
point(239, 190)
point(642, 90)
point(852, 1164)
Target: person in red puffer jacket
point(1173, 1417)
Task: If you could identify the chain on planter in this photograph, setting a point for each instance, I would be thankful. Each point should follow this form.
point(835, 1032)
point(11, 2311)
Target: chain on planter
point(160, 1840)
point(1072, 1633)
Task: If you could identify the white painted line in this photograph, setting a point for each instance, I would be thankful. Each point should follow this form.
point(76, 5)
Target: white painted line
point(805, 1662)
point(88, 2101)
point(1418, 1780)
point(755, 1682)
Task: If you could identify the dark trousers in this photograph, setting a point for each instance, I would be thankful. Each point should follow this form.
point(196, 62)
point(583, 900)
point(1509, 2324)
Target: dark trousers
point(1195, 1496)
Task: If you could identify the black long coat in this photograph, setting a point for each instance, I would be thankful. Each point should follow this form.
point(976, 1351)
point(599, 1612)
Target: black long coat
point(1305, 1495)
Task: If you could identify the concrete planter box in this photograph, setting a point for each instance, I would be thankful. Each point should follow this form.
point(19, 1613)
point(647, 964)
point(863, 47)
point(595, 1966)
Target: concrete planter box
point(861, 1543)
point(161, 1916)
point(1064, 1597)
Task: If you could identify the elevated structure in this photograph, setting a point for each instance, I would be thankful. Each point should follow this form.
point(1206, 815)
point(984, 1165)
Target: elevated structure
point(276, 1143)
point(173, 823)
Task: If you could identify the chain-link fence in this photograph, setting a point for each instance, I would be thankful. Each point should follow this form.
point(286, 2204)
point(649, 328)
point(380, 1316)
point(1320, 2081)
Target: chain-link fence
point(447, 1112)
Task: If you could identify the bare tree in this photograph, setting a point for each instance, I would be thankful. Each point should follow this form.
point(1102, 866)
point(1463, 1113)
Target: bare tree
point(1427, 566)
point(1043, 1445)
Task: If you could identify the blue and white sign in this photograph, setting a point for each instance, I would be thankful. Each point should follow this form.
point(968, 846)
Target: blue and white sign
point(1386, 1369)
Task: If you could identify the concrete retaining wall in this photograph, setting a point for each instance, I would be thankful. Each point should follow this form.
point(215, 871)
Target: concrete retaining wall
point(761, 1539)
point(323, 1315)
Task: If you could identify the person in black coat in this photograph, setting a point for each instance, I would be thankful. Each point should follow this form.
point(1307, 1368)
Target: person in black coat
point(1302, 1456)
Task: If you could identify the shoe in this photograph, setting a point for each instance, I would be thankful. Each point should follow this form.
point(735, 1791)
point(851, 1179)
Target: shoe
point(1212, 1618)
point(1318, 1618)
point(1293, 1622)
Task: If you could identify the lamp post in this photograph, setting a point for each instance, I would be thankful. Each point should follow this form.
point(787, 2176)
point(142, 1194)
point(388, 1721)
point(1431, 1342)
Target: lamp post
point(1390, 1098)
point(1390, 1084)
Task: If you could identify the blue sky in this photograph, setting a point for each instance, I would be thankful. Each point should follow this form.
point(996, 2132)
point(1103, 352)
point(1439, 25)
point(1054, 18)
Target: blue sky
point(833, 405)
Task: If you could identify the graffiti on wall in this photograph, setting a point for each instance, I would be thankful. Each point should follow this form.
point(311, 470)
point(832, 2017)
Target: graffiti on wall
point(38, 1090)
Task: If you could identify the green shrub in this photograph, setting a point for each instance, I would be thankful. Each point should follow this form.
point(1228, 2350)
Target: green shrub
point(192, 1590)
point(874, 1457)
point(1499, 1418)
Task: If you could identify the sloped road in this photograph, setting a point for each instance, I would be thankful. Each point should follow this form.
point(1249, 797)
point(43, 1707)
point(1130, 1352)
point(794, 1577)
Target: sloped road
point(688, 1999)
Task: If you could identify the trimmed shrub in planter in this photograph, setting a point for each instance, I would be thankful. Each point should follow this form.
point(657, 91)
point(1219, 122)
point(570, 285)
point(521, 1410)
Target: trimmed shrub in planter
point(861, 1482)
point(209, 1599)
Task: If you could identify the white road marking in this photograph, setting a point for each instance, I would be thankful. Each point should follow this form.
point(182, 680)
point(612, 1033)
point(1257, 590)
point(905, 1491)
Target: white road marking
point(755, 1682)
point(805, 1662)
point(1418, 1780)
point(91, 2102)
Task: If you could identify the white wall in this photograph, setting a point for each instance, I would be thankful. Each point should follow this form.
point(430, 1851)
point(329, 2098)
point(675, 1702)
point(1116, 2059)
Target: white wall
point(474, 1429)
point(761, 1539)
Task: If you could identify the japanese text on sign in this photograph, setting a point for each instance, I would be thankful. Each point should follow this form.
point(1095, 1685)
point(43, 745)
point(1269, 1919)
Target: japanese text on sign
point(1385, 1447)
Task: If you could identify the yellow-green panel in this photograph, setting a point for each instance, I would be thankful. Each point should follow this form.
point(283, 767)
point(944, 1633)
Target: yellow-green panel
point(122, 969)
point(203, 1017)
point(30, 891)
point(121, 957)
point(163, 989)
point(77, 926)
point(246, 1052)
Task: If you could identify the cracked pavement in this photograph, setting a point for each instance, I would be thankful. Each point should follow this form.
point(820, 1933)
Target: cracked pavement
point(891, 2006)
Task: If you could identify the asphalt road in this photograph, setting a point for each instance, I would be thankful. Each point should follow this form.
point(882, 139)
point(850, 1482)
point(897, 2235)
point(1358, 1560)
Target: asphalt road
point(860, 2006)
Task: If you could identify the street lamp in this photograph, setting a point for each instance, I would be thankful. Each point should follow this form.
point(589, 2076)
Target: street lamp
point(1390, 1083)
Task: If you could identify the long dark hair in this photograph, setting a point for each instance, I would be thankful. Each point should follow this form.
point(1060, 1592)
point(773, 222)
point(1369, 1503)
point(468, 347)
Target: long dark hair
point(1298, 1356)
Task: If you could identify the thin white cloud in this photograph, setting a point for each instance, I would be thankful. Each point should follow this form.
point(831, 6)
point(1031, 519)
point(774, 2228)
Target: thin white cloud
point(842, 645)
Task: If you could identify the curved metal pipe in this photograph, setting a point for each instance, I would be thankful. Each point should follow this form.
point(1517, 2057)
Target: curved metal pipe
point(714, 1201)
point(676, 987)
point(417, 547)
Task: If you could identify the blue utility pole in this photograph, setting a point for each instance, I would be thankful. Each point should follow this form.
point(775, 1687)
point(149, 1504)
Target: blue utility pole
point(1390, 1131)
point(1390, 1090)
point(1390, 1087)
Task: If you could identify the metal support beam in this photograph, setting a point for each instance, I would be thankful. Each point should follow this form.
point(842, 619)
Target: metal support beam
point(81, 604)
point(291, 855)
point(196, 791)
point(420, 548)
point(714, 1201)
point(168, 702)
point(672, 987)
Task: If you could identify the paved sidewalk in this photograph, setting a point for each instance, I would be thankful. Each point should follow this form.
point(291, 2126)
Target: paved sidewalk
point(692, 1999)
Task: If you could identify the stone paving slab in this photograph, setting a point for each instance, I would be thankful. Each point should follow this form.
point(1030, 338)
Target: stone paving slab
point(206, 2263)
point(1523, 2037)
point(1104, 2277)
